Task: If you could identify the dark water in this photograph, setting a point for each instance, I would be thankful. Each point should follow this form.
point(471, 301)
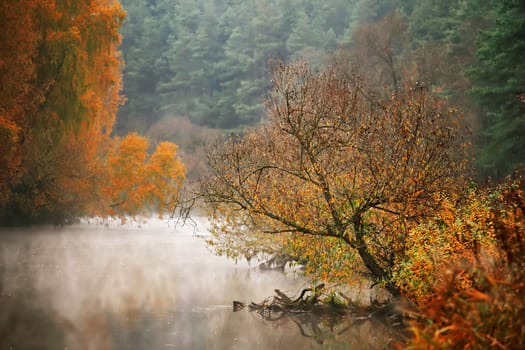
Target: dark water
point(151, 286)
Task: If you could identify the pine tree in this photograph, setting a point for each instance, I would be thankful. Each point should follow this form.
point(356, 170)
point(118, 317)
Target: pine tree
point(499, 80)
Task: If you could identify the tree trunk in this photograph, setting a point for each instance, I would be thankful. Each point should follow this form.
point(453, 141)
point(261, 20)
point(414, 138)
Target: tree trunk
point(376, 270)
point(369, 260)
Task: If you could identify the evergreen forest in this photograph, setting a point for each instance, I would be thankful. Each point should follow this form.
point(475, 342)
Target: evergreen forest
point(208, 60)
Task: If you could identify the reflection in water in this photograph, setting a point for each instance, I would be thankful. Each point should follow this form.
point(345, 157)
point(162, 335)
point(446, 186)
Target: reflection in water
point(322, 318)
point(155, 287)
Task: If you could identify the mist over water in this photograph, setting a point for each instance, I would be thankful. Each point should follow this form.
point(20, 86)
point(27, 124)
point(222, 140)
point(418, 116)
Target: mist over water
point(148, 286)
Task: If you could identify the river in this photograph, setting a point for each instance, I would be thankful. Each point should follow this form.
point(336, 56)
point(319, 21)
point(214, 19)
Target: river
point(144, 286)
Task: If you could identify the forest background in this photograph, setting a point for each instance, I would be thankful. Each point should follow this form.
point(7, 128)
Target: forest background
point(206, 62)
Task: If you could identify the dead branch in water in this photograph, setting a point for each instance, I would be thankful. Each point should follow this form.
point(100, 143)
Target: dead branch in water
point(320, 314)
point(310, 301)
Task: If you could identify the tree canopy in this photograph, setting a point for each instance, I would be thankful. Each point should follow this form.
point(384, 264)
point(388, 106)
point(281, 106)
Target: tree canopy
point(60, 72)
point(498, 77)
point(333, 160)
point(207, 60)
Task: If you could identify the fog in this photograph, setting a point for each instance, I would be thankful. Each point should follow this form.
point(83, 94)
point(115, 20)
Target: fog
point(147, 286)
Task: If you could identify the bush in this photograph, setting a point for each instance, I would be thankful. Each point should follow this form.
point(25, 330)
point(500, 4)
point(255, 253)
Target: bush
point(488, 313)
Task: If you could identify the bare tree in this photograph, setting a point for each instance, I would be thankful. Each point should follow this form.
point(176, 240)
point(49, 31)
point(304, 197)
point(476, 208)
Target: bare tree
point(376, 52)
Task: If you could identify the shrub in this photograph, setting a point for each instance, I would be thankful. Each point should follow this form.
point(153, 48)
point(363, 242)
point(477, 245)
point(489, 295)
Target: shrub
point(489, 312)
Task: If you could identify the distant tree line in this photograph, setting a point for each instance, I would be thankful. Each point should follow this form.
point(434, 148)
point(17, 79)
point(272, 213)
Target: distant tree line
point(208, 59)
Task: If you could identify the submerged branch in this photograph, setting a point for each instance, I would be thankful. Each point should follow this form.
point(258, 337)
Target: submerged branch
point(318, 314)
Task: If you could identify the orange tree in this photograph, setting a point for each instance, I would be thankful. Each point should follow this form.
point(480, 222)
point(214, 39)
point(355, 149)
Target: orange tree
point(60, 73)
point(334, 161)
point(136, 181)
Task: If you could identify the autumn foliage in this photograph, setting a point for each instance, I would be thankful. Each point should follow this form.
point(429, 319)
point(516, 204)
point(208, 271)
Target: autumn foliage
point(60, 73)
point(333, 160)
point(460, 231)
point(351, 185)
point(477, 300)
point(138, 181)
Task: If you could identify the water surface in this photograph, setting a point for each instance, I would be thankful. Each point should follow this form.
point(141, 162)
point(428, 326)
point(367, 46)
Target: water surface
point(147, 286)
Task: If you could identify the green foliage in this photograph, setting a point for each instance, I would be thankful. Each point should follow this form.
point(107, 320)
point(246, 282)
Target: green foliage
point(145, 33)
point(208, 60)
point(434, 21)
point(499, 80)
